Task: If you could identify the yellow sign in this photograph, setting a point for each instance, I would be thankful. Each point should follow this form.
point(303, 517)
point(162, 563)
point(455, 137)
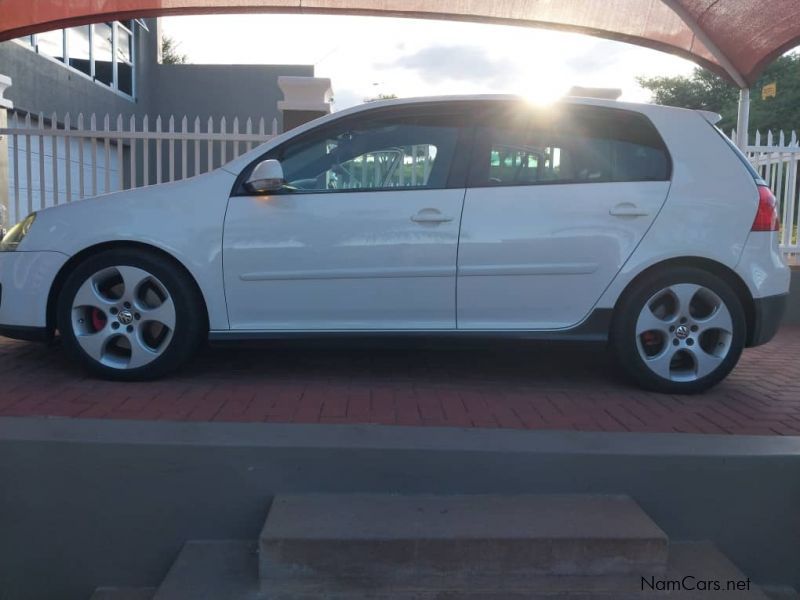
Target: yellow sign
point(769, 91)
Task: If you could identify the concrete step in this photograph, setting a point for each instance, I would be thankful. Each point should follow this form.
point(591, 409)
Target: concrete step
point(226, 570)
point(388, 540)
point(213, 570)
point(123, 593)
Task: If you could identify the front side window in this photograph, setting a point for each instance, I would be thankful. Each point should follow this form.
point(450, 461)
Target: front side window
point(372, 153)
point(570, 146)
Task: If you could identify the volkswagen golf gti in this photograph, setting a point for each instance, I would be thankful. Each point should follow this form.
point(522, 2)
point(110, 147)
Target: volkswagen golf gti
point(589, 220)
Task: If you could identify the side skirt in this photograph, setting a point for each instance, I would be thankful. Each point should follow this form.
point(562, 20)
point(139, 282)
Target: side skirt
point(594, 328)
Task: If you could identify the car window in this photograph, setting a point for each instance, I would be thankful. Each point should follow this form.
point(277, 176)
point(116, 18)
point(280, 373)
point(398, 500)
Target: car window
point(571, 147)
point(379, 153)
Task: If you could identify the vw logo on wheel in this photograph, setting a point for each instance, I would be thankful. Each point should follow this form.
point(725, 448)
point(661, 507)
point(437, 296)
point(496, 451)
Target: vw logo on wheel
point(125, 317)
point(682, 332)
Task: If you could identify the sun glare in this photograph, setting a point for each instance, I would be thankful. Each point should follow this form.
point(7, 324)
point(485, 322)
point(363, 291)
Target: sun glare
point(543, 93)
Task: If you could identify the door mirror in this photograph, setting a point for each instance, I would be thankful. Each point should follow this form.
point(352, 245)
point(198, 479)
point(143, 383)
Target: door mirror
point(266, 177)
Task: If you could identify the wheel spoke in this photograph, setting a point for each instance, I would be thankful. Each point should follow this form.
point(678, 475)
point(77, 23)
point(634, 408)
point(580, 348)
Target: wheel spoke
point(87, 295)
point(649, 322)
point(93, 343)
point(132, 277)
point(684, 292)
point(719, 319)
point(660, 363)
point(704, 362)
point(164, 314)
point(140, 353)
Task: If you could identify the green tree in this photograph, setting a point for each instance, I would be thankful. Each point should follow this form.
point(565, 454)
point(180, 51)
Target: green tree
point(169, 52)
point(708, 91)
point(381, 97)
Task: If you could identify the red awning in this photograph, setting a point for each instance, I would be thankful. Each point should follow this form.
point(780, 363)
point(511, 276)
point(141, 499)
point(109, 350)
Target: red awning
point(736, 38)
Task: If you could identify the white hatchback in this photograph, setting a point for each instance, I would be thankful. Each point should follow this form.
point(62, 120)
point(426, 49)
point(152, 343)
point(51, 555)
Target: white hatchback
point(589, 220)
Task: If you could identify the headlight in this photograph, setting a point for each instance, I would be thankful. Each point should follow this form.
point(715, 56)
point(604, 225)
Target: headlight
point(16, 234)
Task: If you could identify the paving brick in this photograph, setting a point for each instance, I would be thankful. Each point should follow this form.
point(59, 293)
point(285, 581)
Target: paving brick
point(515, 385)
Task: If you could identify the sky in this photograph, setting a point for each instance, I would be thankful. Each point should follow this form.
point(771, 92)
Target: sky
point(368, 56)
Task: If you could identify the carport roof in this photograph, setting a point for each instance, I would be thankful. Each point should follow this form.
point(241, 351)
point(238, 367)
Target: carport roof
point(735, 38)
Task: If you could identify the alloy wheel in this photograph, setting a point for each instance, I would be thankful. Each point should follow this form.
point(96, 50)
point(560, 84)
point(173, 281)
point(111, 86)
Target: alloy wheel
point(684, 332)
point(123, 317)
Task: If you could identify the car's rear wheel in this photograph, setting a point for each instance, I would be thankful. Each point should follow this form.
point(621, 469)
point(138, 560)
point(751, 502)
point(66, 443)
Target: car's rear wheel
point(679, 331)
point(130, 314)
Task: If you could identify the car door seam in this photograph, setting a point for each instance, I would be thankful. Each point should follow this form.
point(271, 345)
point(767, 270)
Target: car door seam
point(630, 256)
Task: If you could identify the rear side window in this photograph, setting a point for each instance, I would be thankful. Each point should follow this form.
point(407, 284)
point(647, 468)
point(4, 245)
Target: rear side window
point(575, 145)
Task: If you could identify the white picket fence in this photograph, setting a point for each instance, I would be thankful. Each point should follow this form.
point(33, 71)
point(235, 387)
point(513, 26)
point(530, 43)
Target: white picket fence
point(56, 160)
point(776, 159)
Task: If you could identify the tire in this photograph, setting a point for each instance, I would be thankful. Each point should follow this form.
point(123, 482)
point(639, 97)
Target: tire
point(679, 331)
point(129, 314)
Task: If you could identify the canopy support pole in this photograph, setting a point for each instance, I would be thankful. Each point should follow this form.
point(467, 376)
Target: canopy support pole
point(743, 119)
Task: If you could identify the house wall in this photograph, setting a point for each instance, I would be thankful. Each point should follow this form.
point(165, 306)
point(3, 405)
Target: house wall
point(44, 85)
point(222, 91)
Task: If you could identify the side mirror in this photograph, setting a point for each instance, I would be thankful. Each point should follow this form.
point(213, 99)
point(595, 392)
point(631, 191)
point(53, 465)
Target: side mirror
point(266, 177)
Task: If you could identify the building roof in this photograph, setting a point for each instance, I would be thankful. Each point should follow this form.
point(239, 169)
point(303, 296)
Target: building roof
point(735, 38)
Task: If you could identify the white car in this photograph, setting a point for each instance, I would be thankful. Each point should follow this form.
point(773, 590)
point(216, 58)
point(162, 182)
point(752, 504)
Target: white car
point(466, 216)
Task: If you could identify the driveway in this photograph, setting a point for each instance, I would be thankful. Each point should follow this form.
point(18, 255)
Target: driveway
point(510, 385)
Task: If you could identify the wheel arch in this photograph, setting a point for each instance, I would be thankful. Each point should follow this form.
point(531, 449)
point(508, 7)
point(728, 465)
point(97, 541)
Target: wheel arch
point(716, 268)
point(76, 259)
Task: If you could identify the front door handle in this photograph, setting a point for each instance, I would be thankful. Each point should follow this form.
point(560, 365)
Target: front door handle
point(628, 209)
point(430, 215)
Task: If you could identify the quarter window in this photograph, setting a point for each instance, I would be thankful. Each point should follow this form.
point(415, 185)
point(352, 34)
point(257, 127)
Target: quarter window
point(573, 146)
point(372, 154)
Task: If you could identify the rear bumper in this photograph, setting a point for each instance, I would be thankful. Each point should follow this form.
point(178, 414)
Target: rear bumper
point(769, 312)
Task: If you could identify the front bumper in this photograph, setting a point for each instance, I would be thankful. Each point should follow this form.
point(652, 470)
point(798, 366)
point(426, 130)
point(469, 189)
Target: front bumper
point(769, 312)
point(25, 280)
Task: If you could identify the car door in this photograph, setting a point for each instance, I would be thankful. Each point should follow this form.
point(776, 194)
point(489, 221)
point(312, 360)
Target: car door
point(557, 201)
point(363, 237)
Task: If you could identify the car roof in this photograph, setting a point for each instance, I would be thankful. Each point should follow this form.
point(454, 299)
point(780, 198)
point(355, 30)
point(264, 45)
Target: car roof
point(566, 100)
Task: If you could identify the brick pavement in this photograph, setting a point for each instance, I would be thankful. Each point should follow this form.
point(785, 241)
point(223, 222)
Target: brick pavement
point(511, 385)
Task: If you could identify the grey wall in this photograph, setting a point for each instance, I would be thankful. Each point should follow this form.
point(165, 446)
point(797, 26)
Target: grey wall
point(92, 502)
point(222, 91)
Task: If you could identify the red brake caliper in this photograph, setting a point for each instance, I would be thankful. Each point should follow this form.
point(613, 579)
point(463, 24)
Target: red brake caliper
point(649, 338)
point(98, 319)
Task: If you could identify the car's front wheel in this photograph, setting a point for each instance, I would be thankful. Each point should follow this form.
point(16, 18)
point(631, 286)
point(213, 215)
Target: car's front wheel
point(679, 331)
point(130, 314)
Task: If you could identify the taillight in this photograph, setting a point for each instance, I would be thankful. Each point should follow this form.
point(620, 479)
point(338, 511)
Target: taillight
point(767, 214)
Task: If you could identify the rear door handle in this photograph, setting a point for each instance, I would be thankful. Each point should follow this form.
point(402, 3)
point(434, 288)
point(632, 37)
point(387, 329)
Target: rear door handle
point(430, 215)
point(628, 209)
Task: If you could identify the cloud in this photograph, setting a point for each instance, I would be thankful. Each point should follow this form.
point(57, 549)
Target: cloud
point(601, 54)
point(435, 64)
